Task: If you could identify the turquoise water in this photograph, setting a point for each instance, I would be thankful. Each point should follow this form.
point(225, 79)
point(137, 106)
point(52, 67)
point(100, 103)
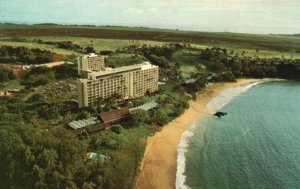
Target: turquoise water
point(257, 145)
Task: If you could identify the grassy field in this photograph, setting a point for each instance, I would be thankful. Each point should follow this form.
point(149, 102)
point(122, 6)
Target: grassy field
point(187, 60)
point(113, 38)
point(12, 85)
point(98, 43)
point(123, 59)
point(131, 155)
point(253, 41)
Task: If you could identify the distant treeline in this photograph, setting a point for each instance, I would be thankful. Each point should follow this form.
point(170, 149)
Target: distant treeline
point(69, 45)
point(61, 44)
point(219, 61)
point(225, 65)
point(10, 54)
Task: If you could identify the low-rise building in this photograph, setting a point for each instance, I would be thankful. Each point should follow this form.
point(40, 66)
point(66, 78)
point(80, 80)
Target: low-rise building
point(83, 123)
point(90, 125)
point(114, 116)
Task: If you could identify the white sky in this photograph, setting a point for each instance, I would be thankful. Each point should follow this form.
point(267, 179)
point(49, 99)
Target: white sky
point(250, 16)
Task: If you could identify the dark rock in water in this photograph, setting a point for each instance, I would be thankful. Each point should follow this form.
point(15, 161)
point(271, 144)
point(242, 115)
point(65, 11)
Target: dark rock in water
point(220, 114)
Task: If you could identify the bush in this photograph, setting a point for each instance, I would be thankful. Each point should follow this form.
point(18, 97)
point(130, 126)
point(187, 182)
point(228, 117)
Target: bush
point(6, 75)
point(117, 129)
point(90, 50)
point(84, 115)
point(65, 71)
point(37, 97)
point(109, 141)
point(159, 117)
point(139, 117)
point(224, 77)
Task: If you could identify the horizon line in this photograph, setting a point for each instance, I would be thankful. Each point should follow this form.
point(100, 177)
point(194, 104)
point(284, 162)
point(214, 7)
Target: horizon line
point(32, 23)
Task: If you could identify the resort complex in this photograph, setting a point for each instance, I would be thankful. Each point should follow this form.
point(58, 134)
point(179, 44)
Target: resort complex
point(142, 108)
point(129, 82)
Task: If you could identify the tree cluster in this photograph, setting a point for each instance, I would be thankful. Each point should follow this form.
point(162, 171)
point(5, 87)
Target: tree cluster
point(12, 110)
point(25, 55)
point(199, 83)
point(229, 67)
point(6, 74)
point(42, 75)
point(169, 108)
point(158, 55)
point(37, 76)
point(45, 159)
point(65, 71)
point(69, 45)
point(139, 117)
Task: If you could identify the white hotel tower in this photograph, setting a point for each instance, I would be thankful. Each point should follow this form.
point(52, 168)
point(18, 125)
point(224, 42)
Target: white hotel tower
point(129, 81)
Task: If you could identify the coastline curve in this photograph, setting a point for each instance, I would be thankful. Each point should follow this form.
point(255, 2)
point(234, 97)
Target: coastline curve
point(215, 104)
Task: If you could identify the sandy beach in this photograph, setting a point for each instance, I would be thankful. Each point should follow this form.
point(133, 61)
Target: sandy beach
point(158, 169)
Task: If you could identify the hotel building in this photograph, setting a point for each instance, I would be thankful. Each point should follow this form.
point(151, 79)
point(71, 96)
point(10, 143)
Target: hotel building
point(90, 63)
point(130, 82)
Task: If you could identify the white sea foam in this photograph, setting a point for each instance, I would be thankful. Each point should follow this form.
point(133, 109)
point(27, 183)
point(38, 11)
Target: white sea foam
point(181, 149)
point(226, 96)
point(214, 105)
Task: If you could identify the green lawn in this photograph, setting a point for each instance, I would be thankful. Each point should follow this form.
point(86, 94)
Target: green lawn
point(247, 48)
point(188, 59)
point(124, 59)
point(130, 156)
point(99, 44)
point(13, 85)
point(116, 37)
point(186, 70)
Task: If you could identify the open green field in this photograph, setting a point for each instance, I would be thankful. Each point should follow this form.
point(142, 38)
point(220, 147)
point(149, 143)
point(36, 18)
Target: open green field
point(12, 85)
point(98, 44)
point(187, 60)
point(115, 44)
point(114, 38)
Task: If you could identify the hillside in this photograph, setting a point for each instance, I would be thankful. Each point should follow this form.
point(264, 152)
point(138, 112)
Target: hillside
point(282, 43)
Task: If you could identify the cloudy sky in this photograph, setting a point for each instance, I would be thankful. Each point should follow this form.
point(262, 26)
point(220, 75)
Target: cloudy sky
point(249, 16)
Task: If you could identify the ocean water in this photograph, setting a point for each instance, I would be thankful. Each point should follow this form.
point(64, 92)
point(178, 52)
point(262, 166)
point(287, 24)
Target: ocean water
point(257, 145)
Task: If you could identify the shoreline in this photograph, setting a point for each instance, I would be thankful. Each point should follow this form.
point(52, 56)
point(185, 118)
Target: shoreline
point(159, 166)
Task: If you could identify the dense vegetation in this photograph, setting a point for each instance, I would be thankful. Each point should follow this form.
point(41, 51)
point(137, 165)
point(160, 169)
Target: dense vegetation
point(6, 74)
point(219, 61)
point(35, 156)
point(224, 65)
point(43, 75)
point(22, 54)
point(43, 159)
point(69, 45)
